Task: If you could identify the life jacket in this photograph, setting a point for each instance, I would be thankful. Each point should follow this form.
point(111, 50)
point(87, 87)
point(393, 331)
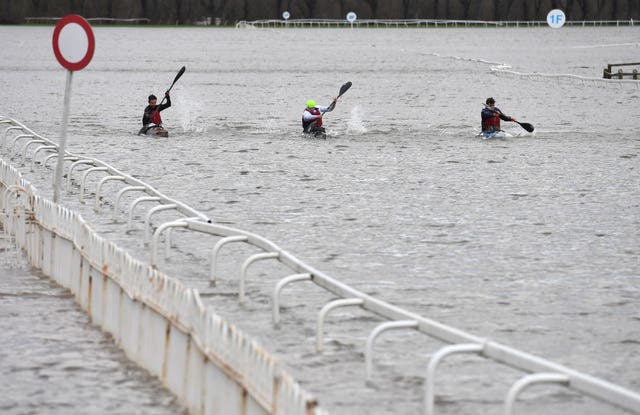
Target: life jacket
point(491, 123)
point(312, 111)
point(155, 117)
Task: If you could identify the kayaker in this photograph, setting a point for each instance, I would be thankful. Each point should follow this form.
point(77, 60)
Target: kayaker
point(312, 117)
point(152, 111)
point(491, 116)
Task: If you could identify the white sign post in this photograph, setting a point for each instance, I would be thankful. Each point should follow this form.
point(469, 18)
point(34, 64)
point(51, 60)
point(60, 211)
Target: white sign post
point(351, 17)
point(286, 15)
point(73, 45)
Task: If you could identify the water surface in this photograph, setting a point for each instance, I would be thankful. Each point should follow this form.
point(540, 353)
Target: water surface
point(531, 241)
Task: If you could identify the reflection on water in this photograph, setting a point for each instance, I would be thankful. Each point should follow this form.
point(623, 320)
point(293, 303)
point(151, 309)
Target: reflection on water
point(531, 241)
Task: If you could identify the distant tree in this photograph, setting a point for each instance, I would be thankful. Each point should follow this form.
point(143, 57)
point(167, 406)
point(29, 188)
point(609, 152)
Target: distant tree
point(600, 8)
point(409, 9)
point(466, 6)
point(215, 8)
point(583, 6)
point(310, 8)
point(343, 8)
point(373, 5)
point(507, 7)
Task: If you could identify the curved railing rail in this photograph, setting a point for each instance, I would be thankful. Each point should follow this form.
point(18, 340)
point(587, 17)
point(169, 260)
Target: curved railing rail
point(539, 370)
point(416, 23)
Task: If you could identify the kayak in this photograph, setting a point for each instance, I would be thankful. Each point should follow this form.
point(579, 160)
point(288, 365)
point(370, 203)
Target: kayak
point(154, 130)
point(319, 133)
point(494, 134)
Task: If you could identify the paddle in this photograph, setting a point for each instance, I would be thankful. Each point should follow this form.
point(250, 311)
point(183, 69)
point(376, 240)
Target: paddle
point(344, 88)
point(180, 73)
point(524, 125)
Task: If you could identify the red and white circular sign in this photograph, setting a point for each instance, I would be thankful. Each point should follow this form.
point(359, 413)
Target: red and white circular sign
point(73, 42)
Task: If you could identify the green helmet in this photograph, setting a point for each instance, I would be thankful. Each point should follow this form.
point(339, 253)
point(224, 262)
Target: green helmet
point(311, 104)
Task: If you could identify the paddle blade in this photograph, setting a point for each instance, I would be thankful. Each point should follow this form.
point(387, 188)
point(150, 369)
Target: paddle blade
point(344, 88)
point(179, 74)
point(527, 126)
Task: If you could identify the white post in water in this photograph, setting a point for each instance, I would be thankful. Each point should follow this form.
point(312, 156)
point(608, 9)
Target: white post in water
point(351, 17)
point(73, 45)
point(57, 185)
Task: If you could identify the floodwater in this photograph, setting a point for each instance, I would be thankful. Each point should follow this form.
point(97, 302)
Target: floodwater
point(53, 361)
point(532, 241)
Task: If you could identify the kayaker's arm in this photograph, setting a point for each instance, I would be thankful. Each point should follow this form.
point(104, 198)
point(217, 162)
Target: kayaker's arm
point(146, 117)
point(167, 104)
point(330, 107)
point(502, 116)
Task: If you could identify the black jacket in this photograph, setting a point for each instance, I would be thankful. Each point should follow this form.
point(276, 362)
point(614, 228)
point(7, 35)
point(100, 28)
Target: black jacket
point(148, 112)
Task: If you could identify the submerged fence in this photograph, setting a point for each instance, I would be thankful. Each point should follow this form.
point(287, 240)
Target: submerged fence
point(163, 326)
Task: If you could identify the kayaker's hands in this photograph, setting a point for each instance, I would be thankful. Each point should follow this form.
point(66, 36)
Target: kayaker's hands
point(166, 94)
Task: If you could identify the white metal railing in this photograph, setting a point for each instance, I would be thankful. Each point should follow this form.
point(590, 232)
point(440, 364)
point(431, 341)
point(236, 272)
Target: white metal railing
point(505, 69)
point(460, 341)
point(161, 324)
point(417, 23)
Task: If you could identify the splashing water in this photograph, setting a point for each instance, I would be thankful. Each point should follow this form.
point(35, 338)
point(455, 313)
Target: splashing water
point(187, 110)
point(356, 126)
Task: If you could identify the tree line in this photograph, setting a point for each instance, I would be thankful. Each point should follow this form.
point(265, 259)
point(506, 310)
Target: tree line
point(228, 12)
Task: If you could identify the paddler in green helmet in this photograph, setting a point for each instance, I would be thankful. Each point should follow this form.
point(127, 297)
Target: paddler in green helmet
point(312, 117)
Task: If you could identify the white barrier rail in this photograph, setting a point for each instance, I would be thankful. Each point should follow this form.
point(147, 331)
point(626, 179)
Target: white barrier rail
point(417, 23)
point(101, 255)
point(161, 324)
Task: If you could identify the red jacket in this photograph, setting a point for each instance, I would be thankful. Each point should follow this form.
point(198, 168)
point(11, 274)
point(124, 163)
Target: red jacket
point(318, 120)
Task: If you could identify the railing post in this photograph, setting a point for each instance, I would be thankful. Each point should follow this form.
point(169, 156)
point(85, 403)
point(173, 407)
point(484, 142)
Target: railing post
point(344, 302)
point(135, 202)
point(216, 249)
point(433, 364)
point(73, 166)
point(389, 325)
point(35, 154)
point(26, 146)
point(4, 137)
point(121, 193)
point(84, 179)
point(147, 219)
point(156, 237)
point(276, 293)
point(245, 266)
point(528, 380)
point(96, 206)
point(15, 140)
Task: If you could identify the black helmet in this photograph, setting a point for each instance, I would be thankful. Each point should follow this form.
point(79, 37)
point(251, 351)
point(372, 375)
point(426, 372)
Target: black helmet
point(490, 101)
point(152, 97)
